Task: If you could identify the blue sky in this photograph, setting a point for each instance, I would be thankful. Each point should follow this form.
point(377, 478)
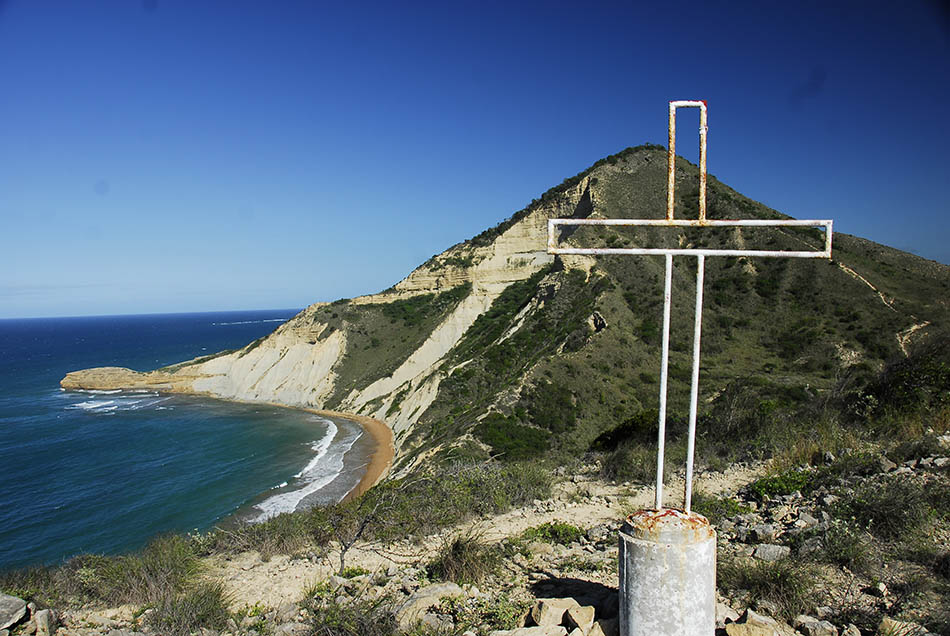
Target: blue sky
point(192, 155)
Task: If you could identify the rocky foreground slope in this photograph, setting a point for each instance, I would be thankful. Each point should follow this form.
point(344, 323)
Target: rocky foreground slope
point(785, 568)
point(495, 348)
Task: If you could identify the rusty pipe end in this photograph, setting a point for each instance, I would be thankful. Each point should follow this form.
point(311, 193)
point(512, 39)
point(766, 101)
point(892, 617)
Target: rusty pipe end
point(668, 526)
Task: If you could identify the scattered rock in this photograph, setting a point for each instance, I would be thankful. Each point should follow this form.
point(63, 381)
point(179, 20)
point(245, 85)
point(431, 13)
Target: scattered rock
point(805, 520)
point(725, 613)
point(292, 629)
point(287, 611)
point(596, 322)
point(810, 546)
point(439, 622)
point(543, 630)
point(771, 552)
point(749, 629)
point(891, 627)
point(763, 532)
point(550, 611)
point(12, 610)
point(605, 627)
point(767, 607)
point(412, 610)
point(851, 630)
point(45, 622)
point(814, 627)
point(879, 590)
point(580, 617)
point(753, 618)
point(598, 533)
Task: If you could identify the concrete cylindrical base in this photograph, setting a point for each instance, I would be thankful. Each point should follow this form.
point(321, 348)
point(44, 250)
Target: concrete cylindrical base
point(667, 574)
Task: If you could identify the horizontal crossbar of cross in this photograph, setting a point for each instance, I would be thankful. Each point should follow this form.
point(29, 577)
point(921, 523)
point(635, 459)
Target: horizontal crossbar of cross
point(687, 251)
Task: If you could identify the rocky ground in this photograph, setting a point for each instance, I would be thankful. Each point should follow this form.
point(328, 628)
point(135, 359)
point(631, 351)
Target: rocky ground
point(564, 586)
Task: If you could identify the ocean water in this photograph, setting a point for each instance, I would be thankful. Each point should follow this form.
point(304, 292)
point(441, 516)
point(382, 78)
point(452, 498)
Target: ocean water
point(104, 472)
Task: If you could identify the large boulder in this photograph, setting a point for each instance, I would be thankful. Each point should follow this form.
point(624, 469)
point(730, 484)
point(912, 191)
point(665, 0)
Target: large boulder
point(12, 610)
point(550, 611)
point(538, 630)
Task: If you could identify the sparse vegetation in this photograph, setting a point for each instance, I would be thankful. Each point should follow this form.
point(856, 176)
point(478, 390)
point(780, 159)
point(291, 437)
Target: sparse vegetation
point(715, 509)
point(554, 532)
point(201, 605)
point(786, 583)
point(890, 508)
point(361, 617)
point(465, 558)
point(784, 483)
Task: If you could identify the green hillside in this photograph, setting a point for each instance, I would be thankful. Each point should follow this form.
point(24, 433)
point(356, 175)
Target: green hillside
point(778, 334)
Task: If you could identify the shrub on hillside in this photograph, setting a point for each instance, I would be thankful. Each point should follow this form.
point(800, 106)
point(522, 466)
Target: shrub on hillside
point(890, 508)
point(554, 532)
point(465, 558)
point(786, 583)
point(201, 606)
point(510, 440)
point(920, 381)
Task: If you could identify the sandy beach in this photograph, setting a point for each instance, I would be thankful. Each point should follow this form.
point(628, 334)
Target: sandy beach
point(382, 459)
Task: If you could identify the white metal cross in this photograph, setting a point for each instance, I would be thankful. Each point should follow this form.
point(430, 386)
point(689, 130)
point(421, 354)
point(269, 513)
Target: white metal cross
point(700, 254)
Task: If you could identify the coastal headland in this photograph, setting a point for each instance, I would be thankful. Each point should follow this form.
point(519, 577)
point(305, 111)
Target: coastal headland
point(112, 378)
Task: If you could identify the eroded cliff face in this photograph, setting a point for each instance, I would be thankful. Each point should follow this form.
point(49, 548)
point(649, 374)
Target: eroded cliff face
point(300, 363)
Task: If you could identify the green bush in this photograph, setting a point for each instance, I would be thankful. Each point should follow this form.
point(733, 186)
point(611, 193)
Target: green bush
point(357, 617)
point(501, 612)
point(846, 546)
point(287, 533)
point(353, 572)
point(167, 563)
point(854, 464)
point(552, 407)
point(454, 495)
point(925, 446)
point(892, 508)
point(554, 532)
point(918, 382)
point(204, 605)
point(465, 559)
point(784, 483)
point(641, 428)
point(717, 509)
point(511, 440)
point(413, 311)
point(787, 583)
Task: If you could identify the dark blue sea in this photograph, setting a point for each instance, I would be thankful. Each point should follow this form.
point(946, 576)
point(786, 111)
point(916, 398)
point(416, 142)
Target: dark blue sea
point(105, 472)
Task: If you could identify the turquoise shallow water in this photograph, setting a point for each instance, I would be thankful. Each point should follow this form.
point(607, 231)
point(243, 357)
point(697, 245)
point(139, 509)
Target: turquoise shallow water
point(104, 472)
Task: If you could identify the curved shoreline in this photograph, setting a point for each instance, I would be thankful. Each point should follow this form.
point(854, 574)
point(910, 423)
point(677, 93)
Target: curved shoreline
point(380, 462)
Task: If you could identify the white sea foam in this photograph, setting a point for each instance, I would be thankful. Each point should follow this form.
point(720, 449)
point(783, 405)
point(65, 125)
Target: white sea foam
point(99, 391)
point(320, 447)
point(124, 402)
point(248, 322)
point(325, 466)
point(93, 405)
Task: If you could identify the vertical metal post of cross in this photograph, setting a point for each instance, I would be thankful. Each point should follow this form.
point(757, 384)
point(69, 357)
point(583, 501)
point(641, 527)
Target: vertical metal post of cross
point(668, 557)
